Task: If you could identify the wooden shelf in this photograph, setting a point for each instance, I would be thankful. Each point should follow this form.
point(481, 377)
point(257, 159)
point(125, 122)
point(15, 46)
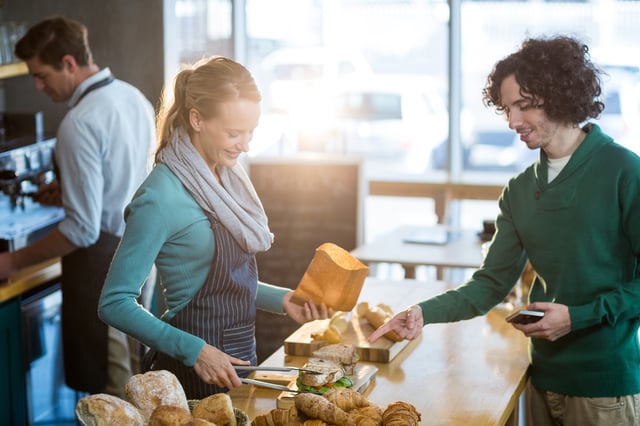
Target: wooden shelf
point(12, 70)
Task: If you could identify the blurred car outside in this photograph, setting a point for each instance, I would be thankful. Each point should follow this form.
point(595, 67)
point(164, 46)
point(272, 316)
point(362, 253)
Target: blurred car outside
point(398, 118)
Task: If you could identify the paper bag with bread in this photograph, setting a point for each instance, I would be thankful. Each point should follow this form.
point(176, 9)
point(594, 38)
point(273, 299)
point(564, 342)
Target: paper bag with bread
point(334, 277)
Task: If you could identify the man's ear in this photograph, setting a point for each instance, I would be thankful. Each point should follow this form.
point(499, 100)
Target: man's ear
point(195, 119)
point(69, 63)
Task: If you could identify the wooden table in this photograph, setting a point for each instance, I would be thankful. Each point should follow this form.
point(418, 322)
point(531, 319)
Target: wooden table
point(466, 373)
point(462, 251)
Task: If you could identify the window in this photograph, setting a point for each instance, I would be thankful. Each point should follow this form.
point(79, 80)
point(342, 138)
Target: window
point(399, 82)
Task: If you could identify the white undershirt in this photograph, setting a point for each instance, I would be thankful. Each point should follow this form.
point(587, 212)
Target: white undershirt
point(556, 165)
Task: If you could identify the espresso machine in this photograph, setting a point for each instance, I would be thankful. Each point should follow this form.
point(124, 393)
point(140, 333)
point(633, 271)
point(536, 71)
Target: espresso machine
point(26, 162)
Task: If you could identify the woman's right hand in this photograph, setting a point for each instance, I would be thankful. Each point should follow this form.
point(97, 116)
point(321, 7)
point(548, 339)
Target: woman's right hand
point(216, 367)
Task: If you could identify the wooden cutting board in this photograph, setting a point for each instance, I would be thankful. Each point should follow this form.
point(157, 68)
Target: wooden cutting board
point(300, 342)
point(363, 376)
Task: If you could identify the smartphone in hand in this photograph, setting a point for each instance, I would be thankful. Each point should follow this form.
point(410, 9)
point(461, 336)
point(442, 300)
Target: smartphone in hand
point(524, 316)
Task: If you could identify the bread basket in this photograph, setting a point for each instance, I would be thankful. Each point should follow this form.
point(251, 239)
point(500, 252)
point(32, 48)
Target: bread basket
point(242, 418)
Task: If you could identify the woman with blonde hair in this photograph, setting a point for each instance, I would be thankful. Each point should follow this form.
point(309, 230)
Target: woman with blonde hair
point(199, 219)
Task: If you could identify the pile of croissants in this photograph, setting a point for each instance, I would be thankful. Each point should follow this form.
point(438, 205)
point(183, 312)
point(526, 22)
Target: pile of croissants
point(340, 407)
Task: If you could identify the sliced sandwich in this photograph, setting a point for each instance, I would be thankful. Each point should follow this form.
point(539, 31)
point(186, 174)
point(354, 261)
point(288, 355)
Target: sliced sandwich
point(342, 353)
point(321, 375)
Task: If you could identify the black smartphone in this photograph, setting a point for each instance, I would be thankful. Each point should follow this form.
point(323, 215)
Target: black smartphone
point(524, 316)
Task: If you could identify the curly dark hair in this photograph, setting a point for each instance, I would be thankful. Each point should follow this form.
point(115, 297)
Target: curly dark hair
point(555, 74)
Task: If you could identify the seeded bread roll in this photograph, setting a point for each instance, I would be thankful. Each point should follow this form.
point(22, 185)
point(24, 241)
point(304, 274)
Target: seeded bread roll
point(105, 410)
point(216, 408)
point(170, 415)
point(154, 388)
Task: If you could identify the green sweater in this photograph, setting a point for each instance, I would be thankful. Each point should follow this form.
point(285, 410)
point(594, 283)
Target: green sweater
point(165, 225)
point(581, 233)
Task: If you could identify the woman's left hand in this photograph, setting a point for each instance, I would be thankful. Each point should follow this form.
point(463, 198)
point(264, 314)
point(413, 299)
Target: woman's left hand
point(307, 312)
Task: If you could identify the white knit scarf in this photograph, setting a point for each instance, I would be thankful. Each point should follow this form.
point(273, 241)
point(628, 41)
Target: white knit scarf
point(235, 203)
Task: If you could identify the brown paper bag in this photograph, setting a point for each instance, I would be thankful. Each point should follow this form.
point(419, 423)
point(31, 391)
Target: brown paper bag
point(334, 277)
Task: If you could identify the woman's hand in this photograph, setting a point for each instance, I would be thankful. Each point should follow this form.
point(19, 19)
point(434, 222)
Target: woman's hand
point(307, 312)
point(407, 324)
point(216, 367)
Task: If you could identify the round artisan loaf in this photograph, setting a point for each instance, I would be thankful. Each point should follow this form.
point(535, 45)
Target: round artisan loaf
point(154, 388)
point(170, 415)
point(105, 410)
point(216, 408)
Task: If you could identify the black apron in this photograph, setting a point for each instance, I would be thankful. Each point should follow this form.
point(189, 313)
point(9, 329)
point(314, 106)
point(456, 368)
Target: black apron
point(222, 312)
point(84, 335)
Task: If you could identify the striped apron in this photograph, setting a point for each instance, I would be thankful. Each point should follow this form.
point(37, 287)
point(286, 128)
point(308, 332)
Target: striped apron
point(222, 312)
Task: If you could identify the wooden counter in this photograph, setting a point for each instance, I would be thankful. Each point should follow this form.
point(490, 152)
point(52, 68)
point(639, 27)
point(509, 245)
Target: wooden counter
point(29, 278)
point(466, 373)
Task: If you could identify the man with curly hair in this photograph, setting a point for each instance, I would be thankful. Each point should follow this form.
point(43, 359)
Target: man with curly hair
point(575, 214)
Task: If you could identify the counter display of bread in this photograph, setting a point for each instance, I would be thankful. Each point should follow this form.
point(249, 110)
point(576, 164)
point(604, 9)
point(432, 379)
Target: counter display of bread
point(469, 372)
point(302, 343)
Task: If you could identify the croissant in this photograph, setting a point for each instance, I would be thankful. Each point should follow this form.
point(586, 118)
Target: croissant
point(362, 420)
point(346, 398)
point(400, 413)
point(319, 407)
point(278, 417)
point(314, 422)
point(370, 415)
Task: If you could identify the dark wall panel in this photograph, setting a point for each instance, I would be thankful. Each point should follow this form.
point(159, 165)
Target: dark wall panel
point(125, 35)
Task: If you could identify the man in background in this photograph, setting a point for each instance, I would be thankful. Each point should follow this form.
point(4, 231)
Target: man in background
point(102, 155)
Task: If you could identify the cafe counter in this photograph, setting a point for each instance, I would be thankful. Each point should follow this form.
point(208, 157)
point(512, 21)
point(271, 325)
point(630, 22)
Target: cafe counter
point(466, 373)
point(29, 278)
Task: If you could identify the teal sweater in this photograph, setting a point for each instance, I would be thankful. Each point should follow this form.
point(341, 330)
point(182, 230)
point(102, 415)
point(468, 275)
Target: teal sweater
point(165, 225)
point(581, 233)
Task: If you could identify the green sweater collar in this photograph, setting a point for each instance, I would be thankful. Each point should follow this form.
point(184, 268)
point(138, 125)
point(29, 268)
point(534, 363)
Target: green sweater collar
point(595, 140)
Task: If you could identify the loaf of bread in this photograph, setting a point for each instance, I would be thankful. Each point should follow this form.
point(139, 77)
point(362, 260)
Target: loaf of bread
point(170, 415)
point(216, 408)
point(105, 410)
point(155, 388)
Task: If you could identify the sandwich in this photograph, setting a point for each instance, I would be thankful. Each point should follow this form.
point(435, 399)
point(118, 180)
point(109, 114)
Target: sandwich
point(342, 353)
point(321, 375)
